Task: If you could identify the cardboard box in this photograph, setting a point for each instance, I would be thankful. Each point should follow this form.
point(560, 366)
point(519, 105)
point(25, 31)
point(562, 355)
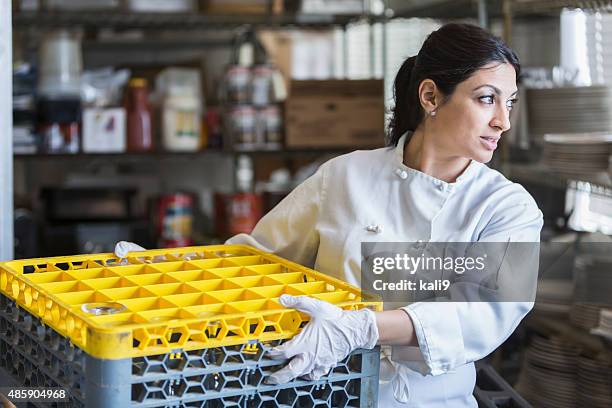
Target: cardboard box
point(335, 114)
point(104, 130)
point(301, 55)
point(278, 45)
point(241, 6)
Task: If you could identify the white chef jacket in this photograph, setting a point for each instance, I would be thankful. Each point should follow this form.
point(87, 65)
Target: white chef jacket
point(372, 196)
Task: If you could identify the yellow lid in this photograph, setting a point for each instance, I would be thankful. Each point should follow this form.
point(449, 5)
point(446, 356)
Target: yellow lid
point(137, 82)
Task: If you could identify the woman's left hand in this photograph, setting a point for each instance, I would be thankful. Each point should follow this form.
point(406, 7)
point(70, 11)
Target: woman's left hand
point(330, 336)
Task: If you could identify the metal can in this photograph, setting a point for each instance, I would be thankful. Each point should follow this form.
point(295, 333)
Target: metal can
point(238, 83)
point(174, 220)
point(237, 213)
point(262, 94)
point(242, 125)
point(269, 127)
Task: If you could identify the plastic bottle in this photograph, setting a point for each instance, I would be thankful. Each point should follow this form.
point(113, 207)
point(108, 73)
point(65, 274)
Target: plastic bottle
point(181, 123)
point(181, 109)
point(244, 174)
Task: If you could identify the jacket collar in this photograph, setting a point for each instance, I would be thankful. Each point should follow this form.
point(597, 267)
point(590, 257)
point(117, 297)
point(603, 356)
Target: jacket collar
point(398, 156)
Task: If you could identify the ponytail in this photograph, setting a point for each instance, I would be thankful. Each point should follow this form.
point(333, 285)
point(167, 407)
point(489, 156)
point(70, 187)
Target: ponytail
point(406, 114)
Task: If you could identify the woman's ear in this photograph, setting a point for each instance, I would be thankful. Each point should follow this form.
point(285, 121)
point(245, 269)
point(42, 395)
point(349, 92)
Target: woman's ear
point(428, 96)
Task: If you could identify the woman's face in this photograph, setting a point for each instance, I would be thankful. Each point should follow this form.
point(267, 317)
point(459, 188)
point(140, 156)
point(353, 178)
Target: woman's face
point(470, 123)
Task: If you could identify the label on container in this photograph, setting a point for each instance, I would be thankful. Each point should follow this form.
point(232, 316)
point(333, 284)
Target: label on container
point(242, 119)
point(269, 125)
point(176, 216)
point(238, 82)
point(181, 129)
point(262, 85)
point(104, 130)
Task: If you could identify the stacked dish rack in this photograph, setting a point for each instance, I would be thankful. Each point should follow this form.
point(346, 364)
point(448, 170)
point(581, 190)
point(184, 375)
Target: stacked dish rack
point(182, 327)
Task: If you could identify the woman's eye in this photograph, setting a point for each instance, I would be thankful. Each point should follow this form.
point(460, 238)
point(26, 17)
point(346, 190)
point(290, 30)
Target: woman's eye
point(510, 104)
point(488, 99)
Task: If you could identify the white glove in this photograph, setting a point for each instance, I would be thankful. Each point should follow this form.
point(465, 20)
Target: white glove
point(123, 247)
point(329, 337)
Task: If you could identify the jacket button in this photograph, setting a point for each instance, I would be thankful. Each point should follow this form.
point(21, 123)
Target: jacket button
point(374, 228)
point(403, 174)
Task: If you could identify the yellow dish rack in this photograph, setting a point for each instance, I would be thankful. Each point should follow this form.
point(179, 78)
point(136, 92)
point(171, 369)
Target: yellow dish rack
point(158, 301)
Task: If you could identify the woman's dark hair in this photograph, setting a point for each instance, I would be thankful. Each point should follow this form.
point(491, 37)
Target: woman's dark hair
point(449, 56)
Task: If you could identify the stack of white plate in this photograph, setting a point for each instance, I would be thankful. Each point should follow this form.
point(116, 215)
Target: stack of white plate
point(599, 37)
point(548, 378)
point(605, 320)
point(604, 329)
point(584, 315)
point(554, 297)
point(577, 154)
point(593, 280)
point(569, 110)
point(594, 382)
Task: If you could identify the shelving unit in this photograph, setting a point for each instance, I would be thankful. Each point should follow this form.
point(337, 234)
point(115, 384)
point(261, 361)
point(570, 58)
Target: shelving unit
point(178, 21)
point(458, 9)
point(171, 155)
point(218, 26)
point(120, 20)
point(157, 36)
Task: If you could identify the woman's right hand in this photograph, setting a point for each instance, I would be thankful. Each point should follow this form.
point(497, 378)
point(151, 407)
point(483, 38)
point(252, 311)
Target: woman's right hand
point(122, 248)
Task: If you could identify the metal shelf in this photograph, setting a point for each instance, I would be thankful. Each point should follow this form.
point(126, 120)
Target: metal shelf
point(156, 44)
point(444, 9)
point(530, 7)
point(173, 21)
point(460, 9)
point(118, 157)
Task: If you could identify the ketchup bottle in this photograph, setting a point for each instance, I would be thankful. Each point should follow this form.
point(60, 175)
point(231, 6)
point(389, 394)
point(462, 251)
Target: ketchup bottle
point(139, 132)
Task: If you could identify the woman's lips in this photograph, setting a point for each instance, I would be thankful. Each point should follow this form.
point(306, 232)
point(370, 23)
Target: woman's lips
point(490, 143)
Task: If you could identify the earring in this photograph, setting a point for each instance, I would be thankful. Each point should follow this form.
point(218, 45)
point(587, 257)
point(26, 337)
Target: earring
point(432, 113)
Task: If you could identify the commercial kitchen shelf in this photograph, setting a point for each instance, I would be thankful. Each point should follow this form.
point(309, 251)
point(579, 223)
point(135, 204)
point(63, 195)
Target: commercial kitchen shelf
point(120, 157)
point(458, 9)
point(173, 21)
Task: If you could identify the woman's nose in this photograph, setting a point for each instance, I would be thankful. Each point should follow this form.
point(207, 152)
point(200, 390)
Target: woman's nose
point(501, 120)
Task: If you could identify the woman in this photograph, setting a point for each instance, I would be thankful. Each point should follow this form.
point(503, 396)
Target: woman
point(452, 104)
